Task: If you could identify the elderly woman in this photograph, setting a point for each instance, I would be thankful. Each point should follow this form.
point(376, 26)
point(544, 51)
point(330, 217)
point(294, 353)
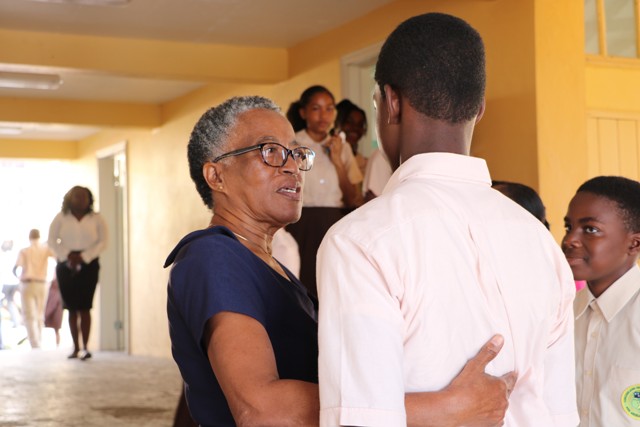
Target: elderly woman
point(243, 328)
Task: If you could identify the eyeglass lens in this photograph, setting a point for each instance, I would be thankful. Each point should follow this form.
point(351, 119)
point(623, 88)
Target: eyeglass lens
point(276, 155)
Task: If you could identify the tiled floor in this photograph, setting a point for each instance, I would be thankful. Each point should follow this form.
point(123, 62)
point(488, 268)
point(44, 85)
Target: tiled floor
point(42, 388)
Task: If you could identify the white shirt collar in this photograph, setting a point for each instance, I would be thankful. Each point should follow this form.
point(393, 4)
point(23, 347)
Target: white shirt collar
point(443, 165)
point(614, 298)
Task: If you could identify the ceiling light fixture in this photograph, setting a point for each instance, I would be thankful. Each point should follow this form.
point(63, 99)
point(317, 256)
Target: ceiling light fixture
point(89, 2)
point(10, 130)
point(9, 79)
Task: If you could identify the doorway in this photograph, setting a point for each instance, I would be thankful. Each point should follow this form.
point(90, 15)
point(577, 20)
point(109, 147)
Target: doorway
point(357, 71)
point(112, 187)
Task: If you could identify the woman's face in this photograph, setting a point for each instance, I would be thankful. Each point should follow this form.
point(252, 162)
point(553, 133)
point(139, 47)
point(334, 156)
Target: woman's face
point(253, 189)
point(79, 200)
point(319, 113)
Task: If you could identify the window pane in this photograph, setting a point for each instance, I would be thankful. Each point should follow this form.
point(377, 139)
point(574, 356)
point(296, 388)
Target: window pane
point(621, 28)
point(591, 27)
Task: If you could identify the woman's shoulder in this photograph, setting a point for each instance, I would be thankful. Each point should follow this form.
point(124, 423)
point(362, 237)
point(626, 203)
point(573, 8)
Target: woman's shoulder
point(204, 243)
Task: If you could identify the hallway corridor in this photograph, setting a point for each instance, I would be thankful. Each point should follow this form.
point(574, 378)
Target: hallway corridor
point(43, 388)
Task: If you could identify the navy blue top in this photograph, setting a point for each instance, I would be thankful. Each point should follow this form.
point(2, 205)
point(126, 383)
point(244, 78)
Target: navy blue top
point(213, 272)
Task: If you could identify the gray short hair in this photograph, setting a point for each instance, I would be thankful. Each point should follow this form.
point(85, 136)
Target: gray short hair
point(209, 136)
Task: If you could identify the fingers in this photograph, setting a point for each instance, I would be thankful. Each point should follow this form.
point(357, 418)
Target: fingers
point(510, 380)
point(487, 353)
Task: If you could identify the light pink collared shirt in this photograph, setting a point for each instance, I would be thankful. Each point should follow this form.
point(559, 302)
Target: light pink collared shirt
point(413, 283)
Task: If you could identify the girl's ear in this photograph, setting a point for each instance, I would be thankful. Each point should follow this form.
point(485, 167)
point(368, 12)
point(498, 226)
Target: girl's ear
point(212, 174)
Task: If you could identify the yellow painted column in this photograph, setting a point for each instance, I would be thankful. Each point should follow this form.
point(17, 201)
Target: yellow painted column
point(560, 104)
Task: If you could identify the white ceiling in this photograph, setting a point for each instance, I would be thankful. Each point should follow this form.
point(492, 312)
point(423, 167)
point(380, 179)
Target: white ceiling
point(264, 23)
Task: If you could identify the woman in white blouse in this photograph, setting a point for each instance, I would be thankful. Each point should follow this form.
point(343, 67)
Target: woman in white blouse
point(78, 235)
point(331, 187)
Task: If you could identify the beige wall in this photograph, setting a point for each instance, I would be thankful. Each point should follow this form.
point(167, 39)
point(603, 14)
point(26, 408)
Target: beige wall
point(534, 129)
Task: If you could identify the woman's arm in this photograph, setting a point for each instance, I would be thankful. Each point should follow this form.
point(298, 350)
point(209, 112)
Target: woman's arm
point(242, 359)
point(100, 244)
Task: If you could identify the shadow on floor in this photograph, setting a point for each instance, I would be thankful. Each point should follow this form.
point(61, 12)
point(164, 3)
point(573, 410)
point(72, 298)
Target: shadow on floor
point(42, 388)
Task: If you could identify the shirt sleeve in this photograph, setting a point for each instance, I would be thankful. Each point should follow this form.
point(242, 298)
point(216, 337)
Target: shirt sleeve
point(209, 277)
point(559, 389)
point(100, 244)
point(58, 249)
point(360, 339)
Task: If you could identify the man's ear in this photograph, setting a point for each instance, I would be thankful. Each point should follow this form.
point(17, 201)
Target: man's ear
point(302, 113)
point(392, 102)
point(211, 173)
point(481, 111)
point(634, 247)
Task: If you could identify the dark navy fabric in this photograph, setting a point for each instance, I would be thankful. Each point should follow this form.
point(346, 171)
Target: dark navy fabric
point(213, 272)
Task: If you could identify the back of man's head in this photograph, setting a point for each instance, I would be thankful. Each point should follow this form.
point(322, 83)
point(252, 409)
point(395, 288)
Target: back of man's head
point(34, 234)
point(436, 61)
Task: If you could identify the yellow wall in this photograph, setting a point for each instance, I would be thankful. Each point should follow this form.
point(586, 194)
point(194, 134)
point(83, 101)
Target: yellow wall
point(533, 131)
point(560, 109)
point(19, 148)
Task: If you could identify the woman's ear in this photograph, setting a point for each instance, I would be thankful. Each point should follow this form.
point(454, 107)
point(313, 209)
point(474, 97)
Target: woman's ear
point(212, 175)
point(392, 102)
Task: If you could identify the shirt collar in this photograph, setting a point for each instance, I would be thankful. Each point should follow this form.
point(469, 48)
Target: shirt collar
point(442, 165)
point(614, 298)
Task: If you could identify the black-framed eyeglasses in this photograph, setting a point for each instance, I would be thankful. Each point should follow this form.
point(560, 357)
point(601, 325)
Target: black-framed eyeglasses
point(276, 155)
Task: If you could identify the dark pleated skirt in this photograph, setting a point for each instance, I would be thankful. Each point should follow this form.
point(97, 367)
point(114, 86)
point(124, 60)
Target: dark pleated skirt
point(78, 287)
point(308, 232)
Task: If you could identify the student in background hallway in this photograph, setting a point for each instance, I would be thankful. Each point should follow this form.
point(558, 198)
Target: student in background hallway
point(352, 120)
point(332, 186)
point(602, 244)
point(10, 282)
point(525, 196)
point(412, 282)
point(78, 235)
point(32, 263)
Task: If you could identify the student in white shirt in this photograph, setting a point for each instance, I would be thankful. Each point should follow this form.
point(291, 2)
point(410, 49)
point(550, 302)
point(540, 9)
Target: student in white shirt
point(414, 281)
point(332, 186)
point(602, 243)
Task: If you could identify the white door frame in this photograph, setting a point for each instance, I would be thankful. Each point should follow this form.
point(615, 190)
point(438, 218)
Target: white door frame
point(356, 71)
point(114, 269)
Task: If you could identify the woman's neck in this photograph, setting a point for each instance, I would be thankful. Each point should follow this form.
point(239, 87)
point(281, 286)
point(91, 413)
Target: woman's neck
point(78, 214)
point(254, 238)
